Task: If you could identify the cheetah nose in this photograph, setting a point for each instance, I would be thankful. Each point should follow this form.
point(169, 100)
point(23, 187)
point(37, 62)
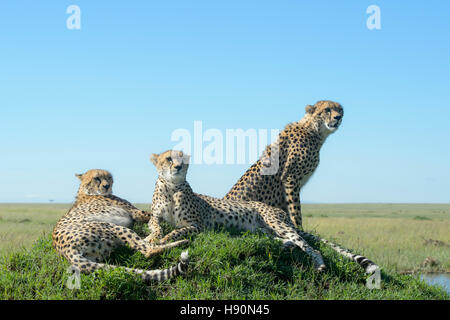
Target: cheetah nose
point(178, 168)
point(106, 186)
point(338, 117)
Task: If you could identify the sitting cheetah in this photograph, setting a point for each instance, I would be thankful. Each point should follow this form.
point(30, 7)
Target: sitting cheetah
point(175, 202)
point(294, 158)
point(98, 222)
point(286, 165)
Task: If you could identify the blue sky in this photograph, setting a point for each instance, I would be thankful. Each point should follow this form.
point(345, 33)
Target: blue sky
point(110, 94)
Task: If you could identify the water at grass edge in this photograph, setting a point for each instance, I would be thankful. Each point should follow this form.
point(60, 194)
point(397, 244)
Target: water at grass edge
point(438, 279)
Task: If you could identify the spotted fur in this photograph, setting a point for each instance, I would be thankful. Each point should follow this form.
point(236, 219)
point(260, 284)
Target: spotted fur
point(98, 222)
point(175, 202)
point(294, 158)
point(287, 164)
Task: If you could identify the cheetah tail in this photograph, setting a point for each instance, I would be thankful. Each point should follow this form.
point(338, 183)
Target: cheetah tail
point(87, 266)
point(161, 275)
point(368, 265)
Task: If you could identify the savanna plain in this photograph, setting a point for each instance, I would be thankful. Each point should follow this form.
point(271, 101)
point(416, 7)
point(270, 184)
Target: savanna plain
point(405, 240)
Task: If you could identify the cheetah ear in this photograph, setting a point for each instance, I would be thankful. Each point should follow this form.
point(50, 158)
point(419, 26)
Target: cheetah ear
point(310, 109)
point(154, 158)
point(79, 176)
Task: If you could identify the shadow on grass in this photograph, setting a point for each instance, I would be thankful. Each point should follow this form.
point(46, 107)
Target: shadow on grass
point(266, 254)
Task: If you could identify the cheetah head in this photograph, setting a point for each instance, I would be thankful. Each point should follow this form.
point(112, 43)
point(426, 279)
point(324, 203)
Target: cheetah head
point(172, 165)
point(325, 115)
point(95, 182)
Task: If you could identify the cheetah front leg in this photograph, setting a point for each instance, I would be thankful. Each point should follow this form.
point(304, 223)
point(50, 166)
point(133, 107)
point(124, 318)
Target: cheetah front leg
point(292, 200)
point(155, 229)
point(160, 207)
point(180, 233)
point(129, 237)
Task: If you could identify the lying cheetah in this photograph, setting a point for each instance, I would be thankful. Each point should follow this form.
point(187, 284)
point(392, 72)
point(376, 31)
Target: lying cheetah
point(98, 222)
point(287, 164)
point(175, 202)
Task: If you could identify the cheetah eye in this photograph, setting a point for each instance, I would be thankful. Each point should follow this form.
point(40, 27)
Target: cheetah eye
point(327, 110)
point(169, 159)
point(97, 179)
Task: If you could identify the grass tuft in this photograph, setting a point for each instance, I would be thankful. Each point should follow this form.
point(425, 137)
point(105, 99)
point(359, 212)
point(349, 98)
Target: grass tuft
point(236, 265)
point(224, 265)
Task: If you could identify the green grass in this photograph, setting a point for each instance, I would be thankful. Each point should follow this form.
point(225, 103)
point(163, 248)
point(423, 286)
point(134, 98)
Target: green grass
point(224, 266)
point(235, 265)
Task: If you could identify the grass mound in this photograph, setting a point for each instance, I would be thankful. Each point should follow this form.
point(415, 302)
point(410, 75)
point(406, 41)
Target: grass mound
point(224, 265)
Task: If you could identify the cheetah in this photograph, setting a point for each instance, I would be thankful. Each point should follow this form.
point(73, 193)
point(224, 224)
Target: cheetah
point(287, 164)
point(176, 203)
point(294, 156)
point(98, 222)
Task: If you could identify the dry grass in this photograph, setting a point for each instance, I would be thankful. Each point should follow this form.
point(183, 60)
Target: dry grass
point(399, 244)
point(22, 224)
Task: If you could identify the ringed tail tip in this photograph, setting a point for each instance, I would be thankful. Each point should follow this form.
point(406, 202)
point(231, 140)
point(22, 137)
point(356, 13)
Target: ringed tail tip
point(185, 256)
